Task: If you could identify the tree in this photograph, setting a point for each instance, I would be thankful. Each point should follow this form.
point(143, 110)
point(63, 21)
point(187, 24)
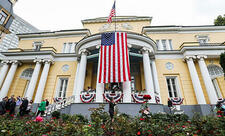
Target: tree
point(222, 62)
point(220, 21)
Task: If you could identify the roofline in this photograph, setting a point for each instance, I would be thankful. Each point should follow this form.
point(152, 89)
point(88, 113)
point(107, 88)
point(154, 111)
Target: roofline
point(118, 19)
point(181, 28)
point(55, 33)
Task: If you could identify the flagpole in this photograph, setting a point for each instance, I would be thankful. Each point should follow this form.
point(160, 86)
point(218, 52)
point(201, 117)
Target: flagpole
point(115, 15)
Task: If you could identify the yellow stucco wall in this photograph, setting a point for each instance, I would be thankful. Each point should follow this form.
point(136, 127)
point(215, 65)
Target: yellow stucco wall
point(136, 26)
point(57, 43)
point(180, 70)
point(179, 38)
point(18, 85)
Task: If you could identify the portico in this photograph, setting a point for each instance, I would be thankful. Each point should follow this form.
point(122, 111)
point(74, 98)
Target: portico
point(140, 50)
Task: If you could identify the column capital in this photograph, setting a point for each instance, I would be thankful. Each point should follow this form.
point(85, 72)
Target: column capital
point(37, 61)
point(84, 51)
point(48, 61)
point(201, 57)
point(15, 62)
point(188, 58)
point(5, 62)
point(145, 50)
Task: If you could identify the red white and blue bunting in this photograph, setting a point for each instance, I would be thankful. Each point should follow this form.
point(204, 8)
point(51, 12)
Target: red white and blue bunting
point(157, 99)
point(177, 100)
point(116, 96)
point(221, 100)
point(87, 98)
point(140, 98)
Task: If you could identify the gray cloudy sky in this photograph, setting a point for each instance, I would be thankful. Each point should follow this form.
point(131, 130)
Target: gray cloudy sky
point(67, 14)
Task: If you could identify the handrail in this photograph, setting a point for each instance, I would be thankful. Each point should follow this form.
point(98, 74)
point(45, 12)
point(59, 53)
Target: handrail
point(61, 103)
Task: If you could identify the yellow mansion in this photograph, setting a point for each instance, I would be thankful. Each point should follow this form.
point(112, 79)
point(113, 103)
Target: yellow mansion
point(165, 61)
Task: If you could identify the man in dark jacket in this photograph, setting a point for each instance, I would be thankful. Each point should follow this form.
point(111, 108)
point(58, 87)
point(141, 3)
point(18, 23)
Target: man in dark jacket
point(23, 107)
point(112, 104)
point(12, 107)
point(2, 106)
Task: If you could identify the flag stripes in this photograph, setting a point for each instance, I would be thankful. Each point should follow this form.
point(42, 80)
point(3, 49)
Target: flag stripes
point(112, 13)
point(113, 58)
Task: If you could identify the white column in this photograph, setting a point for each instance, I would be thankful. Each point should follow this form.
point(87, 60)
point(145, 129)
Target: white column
point(76, 79)
point(195, 80)
point(81, 76)
point(127, 92)
point(42, 82)
point(156, 81)
point(3, 71)
point(207, 80)
point(8, 80)
point(99, 92)
point(148, 75)
point(33, 80)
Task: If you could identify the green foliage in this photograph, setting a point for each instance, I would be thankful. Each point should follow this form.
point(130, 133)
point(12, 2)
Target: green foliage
point(56, 114)
point(100, 124)
point(220, 20)
point(222, 62)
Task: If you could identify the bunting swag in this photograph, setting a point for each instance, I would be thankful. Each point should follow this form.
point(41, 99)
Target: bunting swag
point(87, 98)
point(177, 100)
point(113, 59)
point(138, 98)
point(116, 96)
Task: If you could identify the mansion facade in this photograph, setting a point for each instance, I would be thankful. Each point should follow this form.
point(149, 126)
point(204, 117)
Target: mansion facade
point(165, 62)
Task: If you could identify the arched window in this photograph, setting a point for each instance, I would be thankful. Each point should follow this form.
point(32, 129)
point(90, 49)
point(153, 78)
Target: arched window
point(27, 73)
point(215, 71)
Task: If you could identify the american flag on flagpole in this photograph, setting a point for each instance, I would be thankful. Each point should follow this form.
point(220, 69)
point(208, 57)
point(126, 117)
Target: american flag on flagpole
point(113, 59)
point(112, 13)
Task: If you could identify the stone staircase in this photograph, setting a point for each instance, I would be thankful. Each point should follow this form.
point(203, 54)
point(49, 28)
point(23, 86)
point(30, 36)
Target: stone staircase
point(59, 105)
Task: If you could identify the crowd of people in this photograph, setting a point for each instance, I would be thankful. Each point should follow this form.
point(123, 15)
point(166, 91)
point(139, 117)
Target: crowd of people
point(14, 106)
point(20, 106)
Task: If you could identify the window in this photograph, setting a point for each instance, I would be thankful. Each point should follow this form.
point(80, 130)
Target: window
point(202, 39)
point(3, 17)
point(172, 86)
point(217, 89)
point(62, 87)
point(170, 44)
point(68, 47)
point(214, 72)
point(26, 74)
point(164, 44)
point(157, 44)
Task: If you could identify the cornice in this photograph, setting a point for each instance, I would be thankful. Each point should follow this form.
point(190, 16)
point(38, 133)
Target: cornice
point(166, 29)
point(118, 19)
point(78, 32)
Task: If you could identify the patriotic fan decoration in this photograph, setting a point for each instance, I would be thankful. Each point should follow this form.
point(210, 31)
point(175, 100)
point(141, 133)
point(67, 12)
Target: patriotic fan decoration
point(87, 98)
point(140, 98)
point(177, 100)
point(116, 96)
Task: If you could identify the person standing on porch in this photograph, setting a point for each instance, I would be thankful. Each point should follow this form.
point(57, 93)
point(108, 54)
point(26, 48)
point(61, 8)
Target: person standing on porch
point(112, 105)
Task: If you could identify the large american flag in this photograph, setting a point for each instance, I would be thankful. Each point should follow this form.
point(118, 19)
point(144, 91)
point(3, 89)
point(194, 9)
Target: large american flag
point(113, 58)
point(112, 13)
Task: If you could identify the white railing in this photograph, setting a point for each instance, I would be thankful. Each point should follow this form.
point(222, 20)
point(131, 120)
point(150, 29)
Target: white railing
point(59, 104)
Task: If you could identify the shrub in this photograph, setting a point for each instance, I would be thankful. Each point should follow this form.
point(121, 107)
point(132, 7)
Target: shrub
point(56, 114)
